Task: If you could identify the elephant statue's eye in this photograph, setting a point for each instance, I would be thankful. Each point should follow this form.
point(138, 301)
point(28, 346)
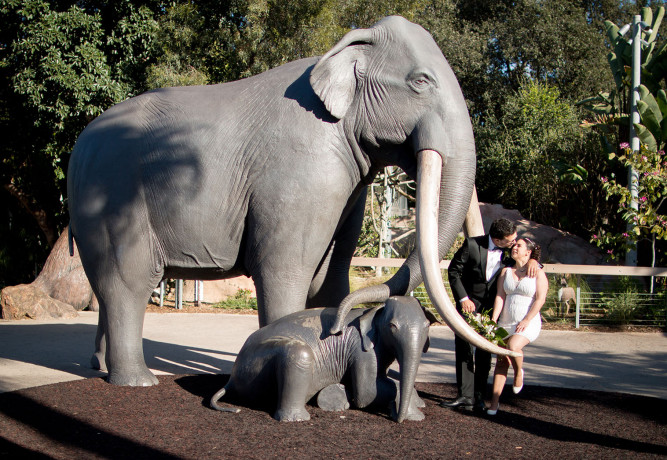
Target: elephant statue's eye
point(420, 82)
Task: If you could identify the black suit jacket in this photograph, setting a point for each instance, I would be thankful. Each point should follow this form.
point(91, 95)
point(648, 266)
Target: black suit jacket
point(467, 274)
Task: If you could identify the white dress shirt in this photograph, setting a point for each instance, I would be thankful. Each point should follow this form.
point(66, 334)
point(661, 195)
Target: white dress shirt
point(494, 260)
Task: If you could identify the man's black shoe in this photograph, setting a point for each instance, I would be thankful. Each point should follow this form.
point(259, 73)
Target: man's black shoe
point(460, 402)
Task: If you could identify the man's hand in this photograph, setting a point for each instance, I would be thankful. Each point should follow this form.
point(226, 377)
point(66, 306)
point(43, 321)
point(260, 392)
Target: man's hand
point(468, 306)
point(533, 268)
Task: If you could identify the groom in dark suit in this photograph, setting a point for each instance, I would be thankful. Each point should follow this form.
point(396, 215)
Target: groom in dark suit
point(473, 276)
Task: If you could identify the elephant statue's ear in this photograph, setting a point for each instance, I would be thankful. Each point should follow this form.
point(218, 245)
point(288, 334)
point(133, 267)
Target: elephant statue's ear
point(366, 329)
point(432, 319)
point(334, 78)
point(429, 315)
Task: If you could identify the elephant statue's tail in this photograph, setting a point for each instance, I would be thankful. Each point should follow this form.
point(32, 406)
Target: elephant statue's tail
point(70, 240)
point(217, 397)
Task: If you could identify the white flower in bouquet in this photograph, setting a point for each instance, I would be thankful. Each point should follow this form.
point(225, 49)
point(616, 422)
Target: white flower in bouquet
point(487, 328)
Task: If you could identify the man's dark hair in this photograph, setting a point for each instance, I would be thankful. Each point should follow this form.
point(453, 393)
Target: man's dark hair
point(500, 228)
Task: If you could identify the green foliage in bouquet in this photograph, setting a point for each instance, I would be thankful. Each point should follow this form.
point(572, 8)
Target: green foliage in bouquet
point(487, 328)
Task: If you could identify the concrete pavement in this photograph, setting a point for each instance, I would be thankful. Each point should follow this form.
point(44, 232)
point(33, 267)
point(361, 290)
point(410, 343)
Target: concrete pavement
point(34, 353)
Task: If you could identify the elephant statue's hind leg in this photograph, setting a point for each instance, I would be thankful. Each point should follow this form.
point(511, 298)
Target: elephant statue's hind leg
point(98, 361)
point(294, 368)
point(124, 348)
point(122, 307)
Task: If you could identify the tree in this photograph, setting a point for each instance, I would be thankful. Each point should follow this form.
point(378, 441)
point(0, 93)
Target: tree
point(559, 44)
point(649, 220)
point(611, 109)
point(224, 41)
point(61, 64)
point(549, 42)
point(539, 145)
point(611, 119)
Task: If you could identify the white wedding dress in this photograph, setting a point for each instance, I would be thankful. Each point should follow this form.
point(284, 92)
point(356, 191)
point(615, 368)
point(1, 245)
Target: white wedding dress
point(520, 295)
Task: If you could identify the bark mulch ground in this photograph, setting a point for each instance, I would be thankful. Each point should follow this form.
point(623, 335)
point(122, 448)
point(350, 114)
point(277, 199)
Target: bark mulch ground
point(92, 419)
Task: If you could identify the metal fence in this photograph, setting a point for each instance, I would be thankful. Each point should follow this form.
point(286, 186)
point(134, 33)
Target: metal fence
point(584, 294)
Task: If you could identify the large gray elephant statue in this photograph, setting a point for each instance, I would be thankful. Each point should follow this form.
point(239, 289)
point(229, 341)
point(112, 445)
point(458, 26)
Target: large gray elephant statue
point(294, 358)
point(267, 177)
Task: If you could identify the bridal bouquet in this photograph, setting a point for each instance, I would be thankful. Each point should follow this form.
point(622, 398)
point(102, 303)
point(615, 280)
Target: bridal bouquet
point(487, 328)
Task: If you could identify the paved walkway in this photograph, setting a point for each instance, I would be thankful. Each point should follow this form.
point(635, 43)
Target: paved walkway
point(34, 353)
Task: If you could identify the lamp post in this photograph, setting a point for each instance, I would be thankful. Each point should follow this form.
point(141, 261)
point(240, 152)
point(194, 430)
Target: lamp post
point(636, 41)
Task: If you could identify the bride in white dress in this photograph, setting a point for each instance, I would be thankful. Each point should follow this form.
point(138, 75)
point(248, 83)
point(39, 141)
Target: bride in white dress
point(517, 309)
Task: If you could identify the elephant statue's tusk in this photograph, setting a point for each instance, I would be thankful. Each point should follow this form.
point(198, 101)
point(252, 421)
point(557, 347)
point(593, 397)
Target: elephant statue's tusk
point(428, 186)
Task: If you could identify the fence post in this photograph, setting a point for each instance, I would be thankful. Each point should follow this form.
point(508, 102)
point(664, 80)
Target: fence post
point(179, 294)
point(576, 316)
point(198, 294)
point(162, 293)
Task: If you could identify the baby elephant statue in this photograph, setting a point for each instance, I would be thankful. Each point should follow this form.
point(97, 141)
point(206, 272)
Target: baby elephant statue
point(296, 358)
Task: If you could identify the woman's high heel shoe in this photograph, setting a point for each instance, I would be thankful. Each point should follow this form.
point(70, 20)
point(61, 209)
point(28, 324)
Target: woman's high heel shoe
point(518, 389)
point(493, 411)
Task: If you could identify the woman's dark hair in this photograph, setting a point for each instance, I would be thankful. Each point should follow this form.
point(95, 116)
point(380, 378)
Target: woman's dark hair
point(500, 228)
point(534, 248)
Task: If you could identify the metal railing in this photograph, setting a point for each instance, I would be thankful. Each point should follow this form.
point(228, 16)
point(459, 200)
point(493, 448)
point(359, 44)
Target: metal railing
point(591, 294)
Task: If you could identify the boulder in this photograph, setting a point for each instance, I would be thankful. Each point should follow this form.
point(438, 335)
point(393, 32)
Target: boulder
point(558, 247)
point(60, 289)
point(25, 301)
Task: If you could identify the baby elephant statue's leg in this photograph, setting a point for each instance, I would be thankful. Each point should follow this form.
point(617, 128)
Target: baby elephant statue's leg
point(333, 398)
point(294, 367)
point(416, 402)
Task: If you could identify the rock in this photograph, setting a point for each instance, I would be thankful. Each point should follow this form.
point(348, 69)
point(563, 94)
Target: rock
point(558, 247)
point(60, 290)
point(27, 301)
point(217, 290)
point(63, 278)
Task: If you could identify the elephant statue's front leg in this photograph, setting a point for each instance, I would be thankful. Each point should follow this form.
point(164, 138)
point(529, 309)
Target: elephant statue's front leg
point(333, 398)
point(414, 413)
point(385, 394)
point(331, 282)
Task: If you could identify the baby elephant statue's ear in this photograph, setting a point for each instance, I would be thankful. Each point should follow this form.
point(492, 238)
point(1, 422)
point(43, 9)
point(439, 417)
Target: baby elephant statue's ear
point(334, 78)
point(432, 319)
point(366, 329)
point(429, 315)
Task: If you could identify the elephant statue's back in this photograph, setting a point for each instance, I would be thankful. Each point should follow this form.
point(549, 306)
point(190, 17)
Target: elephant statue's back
point(310, 327)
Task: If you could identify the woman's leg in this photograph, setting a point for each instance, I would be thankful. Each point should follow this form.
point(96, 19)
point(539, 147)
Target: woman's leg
point(516, 343)
point(499, 378)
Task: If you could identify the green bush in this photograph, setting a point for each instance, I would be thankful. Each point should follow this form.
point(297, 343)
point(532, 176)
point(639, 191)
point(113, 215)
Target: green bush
point(240, 301)
point(621, 307)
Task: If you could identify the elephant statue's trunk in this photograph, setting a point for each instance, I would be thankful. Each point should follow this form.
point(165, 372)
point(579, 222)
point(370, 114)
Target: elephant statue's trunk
point(455, 191)
point(408, 364)
point(442, 203)
point(428, 177)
